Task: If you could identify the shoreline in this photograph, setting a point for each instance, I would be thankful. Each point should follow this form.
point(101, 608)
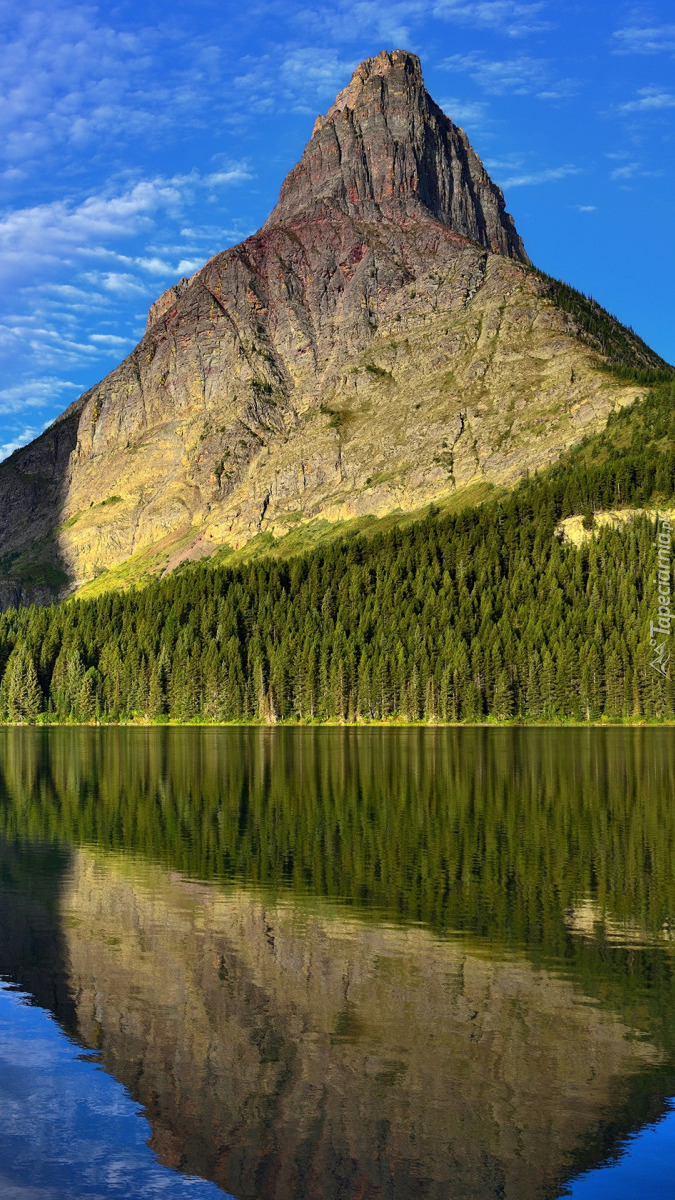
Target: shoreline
point(148, 723)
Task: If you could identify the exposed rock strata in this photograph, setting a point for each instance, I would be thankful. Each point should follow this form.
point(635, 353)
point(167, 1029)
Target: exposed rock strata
point(385, 149)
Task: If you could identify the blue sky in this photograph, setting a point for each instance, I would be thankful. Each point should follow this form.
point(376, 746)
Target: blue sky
point(69, 1129)
point(138, 140)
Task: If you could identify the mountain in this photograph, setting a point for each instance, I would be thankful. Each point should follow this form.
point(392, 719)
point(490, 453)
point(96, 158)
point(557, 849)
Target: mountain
point(382, 343)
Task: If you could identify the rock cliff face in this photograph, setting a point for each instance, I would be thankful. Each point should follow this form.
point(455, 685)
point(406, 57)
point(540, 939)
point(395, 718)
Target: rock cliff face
point(384, 149)
point(381, 343)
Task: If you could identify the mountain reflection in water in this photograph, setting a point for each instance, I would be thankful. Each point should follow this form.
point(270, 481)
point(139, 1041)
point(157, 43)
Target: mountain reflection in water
point(354, 963)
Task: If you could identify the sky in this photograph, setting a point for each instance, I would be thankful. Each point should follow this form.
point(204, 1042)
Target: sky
point(68, 1128)
point(139, 139)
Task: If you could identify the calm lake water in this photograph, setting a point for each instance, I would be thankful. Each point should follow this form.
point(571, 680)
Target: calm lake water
point(337, 964)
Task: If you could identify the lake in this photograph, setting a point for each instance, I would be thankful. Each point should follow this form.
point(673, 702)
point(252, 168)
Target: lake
point(344, 964)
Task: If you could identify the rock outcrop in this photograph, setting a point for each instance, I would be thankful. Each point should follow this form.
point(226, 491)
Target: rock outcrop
point(384, 149)
point(380, 344)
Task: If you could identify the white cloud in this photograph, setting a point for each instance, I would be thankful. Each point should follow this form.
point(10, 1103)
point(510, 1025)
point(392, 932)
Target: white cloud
point(651, 99)
point(235, 173)
point(516, 76)
point(22, 438)
point(70, 80)
point(68, 263)
point(154, 266)
point(61, 70)
point(509, 17)
point(219, 233)
point(297, 74)
point(562, 90)
point(395, 23)
point(58, 346)
point(633, 170)
point(469, 112)
point(187, 266)
point(644, 39)
point(118, 282)
point(384, 24)
point(49, 235)
point(322, 73)
point(67, 291)
point(586, 208)
point(627, 171)
point(549, 175)
point(110, 339)
point(33, 393)
point(511, 162)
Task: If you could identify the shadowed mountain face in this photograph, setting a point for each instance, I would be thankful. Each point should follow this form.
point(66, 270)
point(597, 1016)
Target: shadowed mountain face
point(381, 343)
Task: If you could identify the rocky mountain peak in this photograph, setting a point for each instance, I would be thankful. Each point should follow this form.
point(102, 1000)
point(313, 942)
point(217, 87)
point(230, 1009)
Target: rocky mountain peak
point(385, 149)
point(383, 64)
point(363, 354)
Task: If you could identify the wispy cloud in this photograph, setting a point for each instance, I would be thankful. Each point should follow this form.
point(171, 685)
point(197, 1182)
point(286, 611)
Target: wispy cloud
point(586, 208)
point(304, 76)
point(507, 16)
point(153, 266)
point(509, 162)
point(22, 438)
point(110, 339)
point(70, 79)
point(65, 74)
point(72, 265)
point(633, 170)
point(234, 173)
point(520, 76)
point(118, 282)
point(473, 113)
point(548, 175)
point(50, 235)
point(644, 39)
point(400, 22)
point(650, 99)
point(34, 393)
point(53, 343)
point(187, 266)
point(343, 21)
point(627, 171)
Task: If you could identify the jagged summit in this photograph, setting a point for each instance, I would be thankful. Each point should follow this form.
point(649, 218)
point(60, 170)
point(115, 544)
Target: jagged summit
point(381, 65)
point(385, 149)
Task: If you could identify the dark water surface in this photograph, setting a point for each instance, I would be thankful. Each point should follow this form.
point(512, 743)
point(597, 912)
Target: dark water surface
point(342, 964)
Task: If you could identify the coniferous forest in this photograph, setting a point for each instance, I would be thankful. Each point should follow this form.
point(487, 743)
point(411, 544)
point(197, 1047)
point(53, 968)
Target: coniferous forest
point(483, 615)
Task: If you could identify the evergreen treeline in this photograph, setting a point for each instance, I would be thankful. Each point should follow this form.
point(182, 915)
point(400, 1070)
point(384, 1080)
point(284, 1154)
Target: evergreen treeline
point(484, 614)
point(626, 354)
